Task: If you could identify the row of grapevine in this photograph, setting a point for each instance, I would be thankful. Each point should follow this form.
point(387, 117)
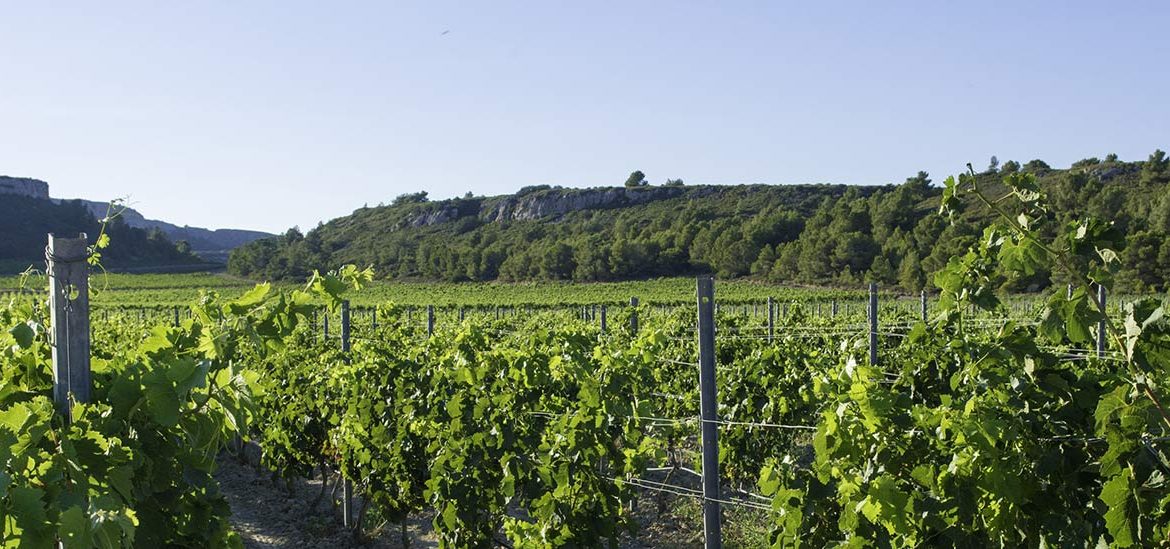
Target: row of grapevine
point(982, 425)
point(965, 432)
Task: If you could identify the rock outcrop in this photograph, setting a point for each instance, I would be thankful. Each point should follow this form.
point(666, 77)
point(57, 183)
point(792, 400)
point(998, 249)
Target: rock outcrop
point(557, 202)
point(24, 186)
point(544, 204)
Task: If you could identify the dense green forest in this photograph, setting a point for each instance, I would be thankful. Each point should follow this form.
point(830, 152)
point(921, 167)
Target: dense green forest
point(25, 222)
point(814, 234)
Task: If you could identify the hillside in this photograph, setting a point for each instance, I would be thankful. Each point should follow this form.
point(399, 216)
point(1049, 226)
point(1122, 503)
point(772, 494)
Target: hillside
point(211, 245)
point(818, 234)
point(59, 214)
point(25, 221)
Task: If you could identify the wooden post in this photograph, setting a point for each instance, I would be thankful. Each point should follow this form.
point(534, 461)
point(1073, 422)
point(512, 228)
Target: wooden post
point(771, 318)
point(603, 318)
point(346, 486)
point(834, 314)
point(68, 266)
point(176, 316)
point(922, 305)
point(325, 325)
point(712, 528)
point(1101, 324)
point(873, 323)
point(634, 316)
point(430, 320)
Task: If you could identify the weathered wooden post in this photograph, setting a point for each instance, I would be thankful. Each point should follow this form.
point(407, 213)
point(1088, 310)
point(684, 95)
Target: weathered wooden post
point(430, 320)
point(922, 305)
point(68, 266)
point(708, 411)
point(603, 318)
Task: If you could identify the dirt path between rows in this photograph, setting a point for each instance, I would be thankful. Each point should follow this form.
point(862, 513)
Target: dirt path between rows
point(270, 515)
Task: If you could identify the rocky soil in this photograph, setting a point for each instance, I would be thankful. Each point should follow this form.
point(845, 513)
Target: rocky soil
point(270, 514)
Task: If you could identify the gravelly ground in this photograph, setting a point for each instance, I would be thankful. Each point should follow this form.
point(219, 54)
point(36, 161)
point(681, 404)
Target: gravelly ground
point(269, 515)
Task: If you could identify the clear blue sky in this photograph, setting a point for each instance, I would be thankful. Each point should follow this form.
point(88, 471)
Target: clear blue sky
point(269, 114)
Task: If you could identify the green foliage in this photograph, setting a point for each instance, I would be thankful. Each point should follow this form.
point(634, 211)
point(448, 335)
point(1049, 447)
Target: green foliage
point(24, 222)
point(411, 198)
point(636, 179)
point(1156, 169)
point(836, 235)
point(133, 467)
point(969, 437)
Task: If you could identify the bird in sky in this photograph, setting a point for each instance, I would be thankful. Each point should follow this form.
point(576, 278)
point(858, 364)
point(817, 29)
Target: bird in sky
point(444, 33)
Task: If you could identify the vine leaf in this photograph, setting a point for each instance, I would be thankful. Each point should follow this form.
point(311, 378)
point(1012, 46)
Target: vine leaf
point(1120, 519)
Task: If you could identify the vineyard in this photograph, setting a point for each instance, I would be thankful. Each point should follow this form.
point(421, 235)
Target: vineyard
point(830, 418)
point(168, 291)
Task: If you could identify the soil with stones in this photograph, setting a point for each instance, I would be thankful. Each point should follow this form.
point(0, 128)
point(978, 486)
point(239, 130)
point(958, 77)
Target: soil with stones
point(270, 514)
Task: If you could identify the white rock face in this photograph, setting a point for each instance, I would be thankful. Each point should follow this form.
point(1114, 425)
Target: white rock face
point(559, 202)
point(24, 186)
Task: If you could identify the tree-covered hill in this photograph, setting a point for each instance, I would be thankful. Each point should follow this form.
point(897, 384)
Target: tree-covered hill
point(818, 234)
point(25, 222)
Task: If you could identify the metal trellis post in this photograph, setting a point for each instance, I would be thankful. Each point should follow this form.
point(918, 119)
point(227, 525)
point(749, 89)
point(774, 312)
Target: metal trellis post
point(1101, 324)
point(634, 315)
point(430, 320)
point(771, 318)
point(873, 324)
point(347, 486)
point(712, 534)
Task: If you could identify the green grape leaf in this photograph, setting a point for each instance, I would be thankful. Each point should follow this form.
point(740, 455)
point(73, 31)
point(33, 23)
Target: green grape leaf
point(162, 401)
point(73, 528)
point(23, 334)
point(28, 508)
point(1121, 516)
